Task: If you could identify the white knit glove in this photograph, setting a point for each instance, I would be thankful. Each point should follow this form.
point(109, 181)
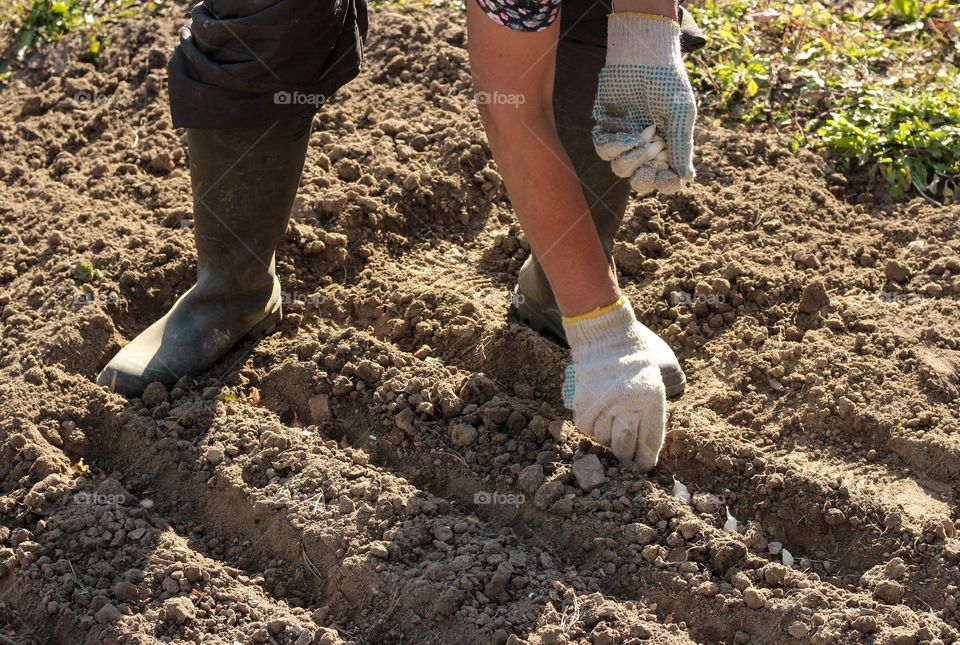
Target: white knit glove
point(613, 386)
point(644, 84)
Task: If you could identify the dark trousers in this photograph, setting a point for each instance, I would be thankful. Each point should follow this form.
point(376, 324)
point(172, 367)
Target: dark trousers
point(249, 63)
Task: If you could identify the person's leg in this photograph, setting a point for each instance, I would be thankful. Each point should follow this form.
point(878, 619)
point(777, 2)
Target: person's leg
point(578, 70)
point(236, 82)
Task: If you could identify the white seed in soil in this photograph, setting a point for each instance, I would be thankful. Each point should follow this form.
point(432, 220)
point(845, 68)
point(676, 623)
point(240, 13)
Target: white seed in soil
point(730, 526)
point(786, 557)
point(680, 491)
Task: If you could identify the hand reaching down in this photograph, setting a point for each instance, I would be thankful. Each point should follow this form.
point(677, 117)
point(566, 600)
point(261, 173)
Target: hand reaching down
point(613, 386)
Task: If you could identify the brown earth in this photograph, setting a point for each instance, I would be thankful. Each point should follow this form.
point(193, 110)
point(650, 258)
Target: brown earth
point(395, 465)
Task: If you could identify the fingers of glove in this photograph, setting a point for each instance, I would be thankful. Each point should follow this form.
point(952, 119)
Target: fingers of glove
point(627, 163)
point(650, 432)
point(611, 144)
point(644, 180)
point(667, 182)
point(624, 425)
point(602, 429)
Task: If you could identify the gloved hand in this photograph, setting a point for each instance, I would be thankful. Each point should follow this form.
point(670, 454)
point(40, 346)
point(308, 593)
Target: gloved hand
point(644, 84)
point(613, 385)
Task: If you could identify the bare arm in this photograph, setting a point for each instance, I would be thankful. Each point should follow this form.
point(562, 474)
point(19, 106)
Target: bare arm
point(513, 74)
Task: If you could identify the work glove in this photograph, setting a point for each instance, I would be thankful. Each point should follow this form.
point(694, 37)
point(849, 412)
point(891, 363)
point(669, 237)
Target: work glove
point(644, 94)
point(613, 385)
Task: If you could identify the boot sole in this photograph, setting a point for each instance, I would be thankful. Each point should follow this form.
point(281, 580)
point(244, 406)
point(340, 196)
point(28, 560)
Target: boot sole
point(674, 381)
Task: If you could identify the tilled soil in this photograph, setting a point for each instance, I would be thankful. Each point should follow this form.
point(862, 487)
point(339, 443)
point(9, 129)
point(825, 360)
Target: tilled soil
point(394, 463)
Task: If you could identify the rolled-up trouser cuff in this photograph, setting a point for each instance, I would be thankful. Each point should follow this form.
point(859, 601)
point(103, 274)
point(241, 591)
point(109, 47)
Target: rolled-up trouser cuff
point(246, 63)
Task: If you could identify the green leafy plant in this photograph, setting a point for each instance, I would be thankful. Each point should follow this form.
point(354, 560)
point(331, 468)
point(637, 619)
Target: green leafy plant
point(834, 73)
point(35, 23)
point(913, 139)
point(85, 272)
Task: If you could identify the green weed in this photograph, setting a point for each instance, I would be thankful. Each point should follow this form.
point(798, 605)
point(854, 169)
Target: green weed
point(865, 80)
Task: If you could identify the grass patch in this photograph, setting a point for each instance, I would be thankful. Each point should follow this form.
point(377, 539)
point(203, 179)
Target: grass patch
point(32, 24)
point(874, 83)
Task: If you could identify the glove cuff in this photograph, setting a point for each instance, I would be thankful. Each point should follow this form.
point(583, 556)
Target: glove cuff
point(642, 39)
point(603, 328)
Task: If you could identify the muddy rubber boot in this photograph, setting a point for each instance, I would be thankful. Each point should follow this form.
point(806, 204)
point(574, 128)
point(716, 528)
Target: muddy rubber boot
point(578, 69)
point(243, 187)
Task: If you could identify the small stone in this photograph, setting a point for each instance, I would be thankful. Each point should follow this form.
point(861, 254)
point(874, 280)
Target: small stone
point(834, 517)
point(688, 529)
point(461, 563)
point(214, 455)
point(404, 420)
point(163, 163)
point(774, 573)
point(640, 533)
point(179, 610)
point(889, 592)
point(126, 592)
point(32, 106)
point(708, 589)
point(379, 550)
point(798, 629)
point(556, 430)
point(154, 394)
point(865, 624)
point(896, 272)
point(895, 569)
point(547, 494)
point(753, 598)
point(706, 502)
point(813, 298)
point(531, 478)
point(562, 507)
point(107, 614)
point(463, 434)
point(651, 552)
point(319, 405)
point(588, 472)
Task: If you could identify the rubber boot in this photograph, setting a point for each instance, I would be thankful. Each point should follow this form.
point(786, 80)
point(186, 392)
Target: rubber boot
point(691, 36)
point(243, 184)
point(578, 70)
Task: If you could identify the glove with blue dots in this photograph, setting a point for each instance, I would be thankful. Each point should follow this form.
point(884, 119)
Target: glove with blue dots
point(643, 92)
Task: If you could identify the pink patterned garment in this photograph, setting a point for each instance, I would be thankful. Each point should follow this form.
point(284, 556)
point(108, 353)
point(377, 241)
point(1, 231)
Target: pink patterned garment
point(522, 15)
